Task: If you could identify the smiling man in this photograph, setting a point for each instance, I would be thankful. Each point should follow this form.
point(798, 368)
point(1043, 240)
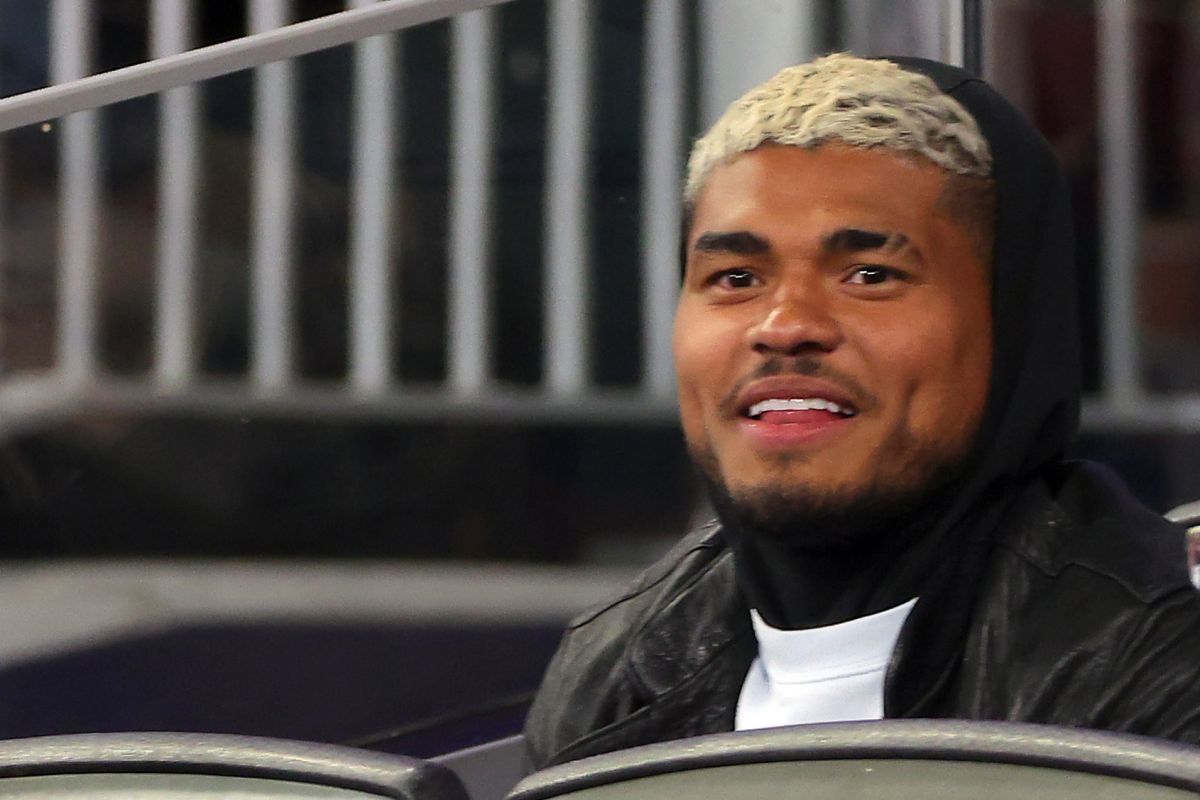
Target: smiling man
point(833, 337)
point(878, 379)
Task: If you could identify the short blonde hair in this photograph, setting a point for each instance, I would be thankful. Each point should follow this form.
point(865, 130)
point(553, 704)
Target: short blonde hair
point(857, 101)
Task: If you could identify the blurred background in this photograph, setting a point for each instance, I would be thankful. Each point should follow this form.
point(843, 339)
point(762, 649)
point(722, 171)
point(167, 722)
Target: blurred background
point(329, 389)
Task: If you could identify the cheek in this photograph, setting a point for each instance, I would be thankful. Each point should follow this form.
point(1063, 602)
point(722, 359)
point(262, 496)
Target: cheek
point(973, 346)
point(704, 346)
point(690, 417)
point(937, 367)
point(958, 377)
point(973, 379)
point(689, 374)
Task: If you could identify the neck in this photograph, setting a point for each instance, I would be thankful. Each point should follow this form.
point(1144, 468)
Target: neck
point(822, 567)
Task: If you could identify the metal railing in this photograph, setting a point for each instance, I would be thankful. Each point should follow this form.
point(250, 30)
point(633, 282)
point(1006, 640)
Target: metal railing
point(77, 383)
point(372, 389)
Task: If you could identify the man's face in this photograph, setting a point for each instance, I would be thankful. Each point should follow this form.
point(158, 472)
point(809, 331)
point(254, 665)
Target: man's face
point(833, 338)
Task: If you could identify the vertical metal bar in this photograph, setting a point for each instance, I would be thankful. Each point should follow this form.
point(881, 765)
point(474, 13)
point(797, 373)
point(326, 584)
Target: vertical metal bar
point(272, 326)
point(782, 34)
point(178, 189)
point(1120, 201)
point(987, 41)
point(4, 248)
point(972, 16)
point(470, 201)
point(859, 33)
point(567, 188)
point(79, 181)
point(4, 251)
point(662, 170)
point(953, 32)
point(374, 188)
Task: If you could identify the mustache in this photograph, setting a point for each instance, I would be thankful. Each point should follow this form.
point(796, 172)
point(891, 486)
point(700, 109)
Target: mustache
point(809, 367)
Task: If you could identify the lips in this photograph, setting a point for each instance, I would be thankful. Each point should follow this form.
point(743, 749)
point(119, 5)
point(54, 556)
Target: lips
point(790, 398)
point(776, 406)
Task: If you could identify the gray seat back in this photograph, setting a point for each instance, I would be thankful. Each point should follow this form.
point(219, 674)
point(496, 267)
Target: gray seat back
point(488, 771)
point(196, 766)
point(894, 759)
point(1187, 514)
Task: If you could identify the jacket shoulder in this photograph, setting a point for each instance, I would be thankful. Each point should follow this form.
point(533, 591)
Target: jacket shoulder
point(1088, 618)
point(686, 557)
point(588, 683)
point(1084, 517)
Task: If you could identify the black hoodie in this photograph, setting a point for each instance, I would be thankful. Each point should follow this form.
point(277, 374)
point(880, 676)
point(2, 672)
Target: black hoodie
point(1046, 593)
point(1029, 423)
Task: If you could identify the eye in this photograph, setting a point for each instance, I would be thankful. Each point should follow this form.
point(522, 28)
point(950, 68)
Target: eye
point(734, 279)
point(874, 275)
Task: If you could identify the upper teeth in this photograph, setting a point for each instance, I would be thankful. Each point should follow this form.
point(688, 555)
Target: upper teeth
point(797, 404)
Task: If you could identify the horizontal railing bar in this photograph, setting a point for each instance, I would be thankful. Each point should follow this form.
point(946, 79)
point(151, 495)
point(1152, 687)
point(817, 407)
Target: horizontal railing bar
point(215, 60)
point(32, 400)
point(1174, 413)
point(85, 602)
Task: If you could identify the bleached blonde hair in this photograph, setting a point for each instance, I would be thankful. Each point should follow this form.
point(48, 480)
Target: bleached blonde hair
point(856, 101)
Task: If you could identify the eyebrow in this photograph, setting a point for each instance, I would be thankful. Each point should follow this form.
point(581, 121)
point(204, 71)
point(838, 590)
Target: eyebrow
point(843, 240)
point(742, 243)
point(853, 240)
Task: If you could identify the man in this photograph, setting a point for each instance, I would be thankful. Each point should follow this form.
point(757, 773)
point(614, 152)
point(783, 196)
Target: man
point(877, 364)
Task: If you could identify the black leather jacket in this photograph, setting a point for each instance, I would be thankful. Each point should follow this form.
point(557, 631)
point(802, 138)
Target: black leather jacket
point(1084, 617)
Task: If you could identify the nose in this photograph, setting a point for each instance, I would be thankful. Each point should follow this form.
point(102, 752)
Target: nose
point(799, 320)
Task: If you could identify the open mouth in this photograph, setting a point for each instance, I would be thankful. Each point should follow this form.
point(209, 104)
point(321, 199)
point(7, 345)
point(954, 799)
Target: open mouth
point(784, 409)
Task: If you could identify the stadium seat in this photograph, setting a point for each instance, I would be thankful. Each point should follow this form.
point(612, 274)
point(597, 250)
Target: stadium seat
point(894, 759)
point(488, 771)
point(1186, 514)
point(181, 766)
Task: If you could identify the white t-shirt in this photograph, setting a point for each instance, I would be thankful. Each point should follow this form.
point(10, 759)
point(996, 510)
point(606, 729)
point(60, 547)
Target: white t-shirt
point(830, 674)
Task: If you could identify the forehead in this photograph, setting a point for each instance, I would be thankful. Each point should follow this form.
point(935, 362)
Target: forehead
point(789, 191)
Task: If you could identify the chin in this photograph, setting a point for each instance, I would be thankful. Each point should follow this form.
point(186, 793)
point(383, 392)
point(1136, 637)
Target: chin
point(830, 515)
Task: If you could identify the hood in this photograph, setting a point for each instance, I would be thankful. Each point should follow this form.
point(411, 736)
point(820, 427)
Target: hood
point(1032, 412)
